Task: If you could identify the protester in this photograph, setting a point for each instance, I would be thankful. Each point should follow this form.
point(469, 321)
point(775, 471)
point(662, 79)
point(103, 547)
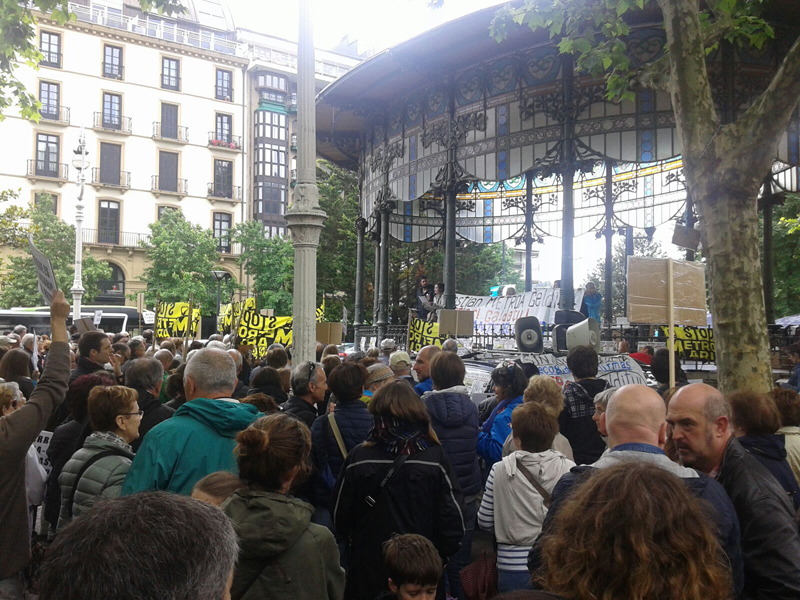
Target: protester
point(16, 367)
point(422, 367)
point(330, 350)
point(286, 379)
point(659, 368)
point(380, 493)
point(509, 383)
point(268, 381)
point(645, 356)
point(293, 558)
point(148, 546)
point(216, 487)
point(400, 364)
point(309, 385)
point(199, 438)
point(575, 420)
point(122, 352)
point(793, 352)
point(637, 430)
point(330, 362)
point(424, 296)
point(388, 346)
point(544, 390)
point(18, 431)
point(592, 302)
point(378, 375)
point(633, 531)
point(98, 469)
point(165, 357)
point(436, 302)
point(755, 420)
point(414, 567)
point(699, 420)
point(145, 375)
point(788, 403)
point(27, 344)
point(137, 348)
point(175, 391)
point(240, 391)
point(600, 405)
point(94, 348)
point(450, 345)
point(277, 357)
point(265, 404)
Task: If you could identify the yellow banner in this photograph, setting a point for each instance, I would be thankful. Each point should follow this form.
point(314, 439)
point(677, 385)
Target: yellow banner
point(423, 333)
point(693, 343)
point(229, 313)
point(172, 320)
point(261, 332)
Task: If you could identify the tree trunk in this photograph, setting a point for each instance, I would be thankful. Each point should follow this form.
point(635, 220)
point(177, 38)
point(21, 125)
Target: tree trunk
point(729, 228)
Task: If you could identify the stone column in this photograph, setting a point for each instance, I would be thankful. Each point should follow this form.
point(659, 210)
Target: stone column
point(305, 219)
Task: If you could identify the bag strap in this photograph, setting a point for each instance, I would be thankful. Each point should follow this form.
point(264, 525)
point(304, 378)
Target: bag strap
point(372, 499)
point(536, 485)
point(86, 465)
point(337, 434)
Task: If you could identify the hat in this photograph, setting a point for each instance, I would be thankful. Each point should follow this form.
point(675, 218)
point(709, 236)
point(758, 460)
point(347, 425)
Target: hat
point(5, 342)
point(400, 358)
point(377, 372)
point(388, 344)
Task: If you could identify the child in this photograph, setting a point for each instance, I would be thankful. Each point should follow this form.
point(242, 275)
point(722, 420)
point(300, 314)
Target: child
point(216, 488)
point(414, 567)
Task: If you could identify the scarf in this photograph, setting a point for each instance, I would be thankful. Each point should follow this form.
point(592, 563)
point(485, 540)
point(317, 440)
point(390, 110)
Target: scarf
point(397, 436)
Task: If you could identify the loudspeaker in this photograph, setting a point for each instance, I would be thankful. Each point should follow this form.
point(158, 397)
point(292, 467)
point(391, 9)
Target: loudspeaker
point(568, 317)
point(559, 336)
point(528, 334)
point(585, 333)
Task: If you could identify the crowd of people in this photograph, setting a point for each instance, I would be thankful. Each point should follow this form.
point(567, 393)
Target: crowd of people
point(192, 472)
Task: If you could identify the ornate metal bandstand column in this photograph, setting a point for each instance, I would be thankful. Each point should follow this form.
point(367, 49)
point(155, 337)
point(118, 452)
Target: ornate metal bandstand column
point(358, 316)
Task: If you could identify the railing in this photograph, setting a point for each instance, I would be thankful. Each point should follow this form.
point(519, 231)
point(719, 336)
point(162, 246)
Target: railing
point(59, 114)
point(125, 239)
point(170, 82)
point(111, 71)
point(176, 186)
point(293, 176)
point(43, 168)
point(110, 122)
point(285, 59)
point(225, 246)
point(222, 92)
point(229, 192)
point(117, 179)
point(229, 142)
point(51, 59)
point(179, 133)
point(293, 142)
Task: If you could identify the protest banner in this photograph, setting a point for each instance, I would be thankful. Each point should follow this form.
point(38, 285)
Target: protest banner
point(617, 370)
point(41, 444)
point(423, 333)
point(229, 313)
point(694, 343)
point(44, 274)
point(172, 320)
point(260, 331)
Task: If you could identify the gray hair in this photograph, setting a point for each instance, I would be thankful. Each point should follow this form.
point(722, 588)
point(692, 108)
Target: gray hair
point(302, 375)
point(19, 329)
point(212, 371)
point(144, 373)
point(450, 345)
point(216, 345)
point(161, 356)
point(130, 539)
point(27, 340)
point(716, 406)
point(14, 387)
point(237, 358)
point(602, 398)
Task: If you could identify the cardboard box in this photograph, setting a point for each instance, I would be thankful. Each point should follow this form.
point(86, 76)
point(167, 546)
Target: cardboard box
point(458, 323)
point(330, 333)
point(647, 291)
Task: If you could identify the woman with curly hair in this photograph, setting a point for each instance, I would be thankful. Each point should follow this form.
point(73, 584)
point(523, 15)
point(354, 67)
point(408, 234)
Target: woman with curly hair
point(633, 531)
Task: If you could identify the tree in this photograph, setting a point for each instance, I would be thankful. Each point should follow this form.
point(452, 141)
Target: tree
point(18, 45)
point(786, 237)
point(181, 256)
point(641, 247)
point(724, 162)
point(56, 240)
point(270, 261)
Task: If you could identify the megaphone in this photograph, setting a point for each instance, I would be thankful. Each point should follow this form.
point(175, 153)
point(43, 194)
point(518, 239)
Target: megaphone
point(559, 336)
point(585, 333)
point(528, 335)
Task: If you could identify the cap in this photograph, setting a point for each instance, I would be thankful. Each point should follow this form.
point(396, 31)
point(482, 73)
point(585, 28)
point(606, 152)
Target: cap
point(377, 372)
point(400, 359)
point(388, 344)
point(5, 342)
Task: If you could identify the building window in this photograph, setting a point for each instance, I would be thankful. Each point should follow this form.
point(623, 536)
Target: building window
point(112, 290)
point(271, 96)
point(108, 222)
point(224, 128)
point(169, 121)
point(271, 161)
point(272, 81)
point(223, 178)
point(50, 47)
point(112, 111)
point(163, 209)
point(224, 85)
point(270, 125)
point(170, 73)
point(49, 94)
point(168, 171)
point(110, 163)
point(53, 198)
point(47, 154)
point(270, 199)
point(222, 231)
point(112, 62)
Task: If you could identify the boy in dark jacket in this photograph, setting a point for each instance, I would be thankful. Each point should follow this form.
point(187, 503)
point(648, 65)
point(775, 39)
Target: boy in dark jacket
point(414, 567)
point(575, 421)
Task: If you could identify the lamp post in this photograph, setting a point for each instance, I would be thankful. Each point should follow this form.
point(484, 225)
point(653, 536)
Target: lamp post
point(81, 163)
point(220, 276)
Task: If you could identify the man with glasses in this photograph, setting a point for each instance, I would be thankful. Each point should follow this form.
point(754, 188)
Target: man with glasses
point(309, 385)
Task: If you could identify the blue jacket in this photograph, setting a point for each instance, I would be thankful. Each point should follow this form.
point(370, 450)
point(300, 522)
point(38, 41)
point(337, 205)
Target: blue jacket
point(455, 420)
point(770, 451)
point(424, 386)
point(197, 441)
point(794, 380)
point(495, 430)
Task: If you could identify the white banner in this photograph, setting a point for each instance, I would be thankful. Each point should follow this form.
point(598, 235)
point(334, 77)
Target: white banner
point(616, 370)
point(497, 315)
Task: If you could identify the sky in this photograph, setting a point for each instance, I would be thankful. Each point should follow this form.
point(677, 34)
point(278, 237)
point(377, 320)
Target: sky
point(380, 24)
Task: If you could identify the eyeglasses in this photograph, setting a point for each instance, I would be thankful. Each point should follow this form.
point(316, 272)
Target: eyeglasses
point(139, 412)
point(312, 366)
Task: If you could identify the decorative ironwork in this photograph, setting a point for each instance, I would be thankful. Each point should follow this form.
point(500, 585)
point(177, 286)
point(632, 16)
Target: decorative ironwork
point(383, 157)
point(448, 133)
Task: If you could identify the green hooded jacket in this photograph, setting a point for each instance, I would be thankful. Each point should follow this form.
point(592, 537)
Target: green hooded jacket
point(283, 555)
point(197, 440)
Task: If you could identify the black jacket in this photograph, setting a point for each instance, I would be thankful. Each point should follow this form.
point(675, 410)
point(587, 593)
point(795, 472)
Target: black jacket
point(770, 542)
point(422, 497)
point(575, 421)
point(154, 413)
point(66, 440)
point(770, 451)
point(300, 409)
point(273, 392)
point(240, 391)
point(84, 366)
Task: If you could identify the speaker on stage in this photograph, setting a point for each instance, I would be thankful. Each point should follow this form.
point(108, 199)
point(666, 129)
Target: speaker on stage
point(585, 333)
point(528, 335)
point(559, 336)
point(568, 317)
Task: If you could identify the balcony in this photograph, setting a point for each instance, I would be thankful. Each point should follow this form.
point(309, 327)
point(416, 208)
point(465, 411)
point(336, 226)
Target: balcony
point(48, 171)
point(55, 115)
point(112, 123)
point(293, 143)
point(225, 246)
point(170, 82)
point(293, 103)
point(170, 133)
point(173, 187)
point(224, 93)
point(293, 177)
point(112, 237)
point(51, 59)
point(103, 178)
point(226, 193)
point(232, 143)
point(111, 71)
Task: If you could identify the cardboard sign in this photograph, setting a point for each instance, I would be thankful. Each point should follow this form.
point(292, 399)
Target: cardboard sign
point(648, 289)
point(44, 274)
point(85, 325)
point(98, 316)
point(694, 343)
point(148, 317)
point(41, 444)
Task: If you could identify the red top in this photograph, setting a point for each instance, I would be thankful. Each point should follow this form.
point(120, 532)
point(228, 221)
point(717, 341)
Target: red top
point(642, 357)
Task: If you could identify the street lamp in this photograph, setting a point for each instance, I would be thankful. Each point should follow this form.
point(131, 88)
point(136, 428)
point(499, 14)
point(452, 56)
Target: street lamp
point(81, 164)
point(220, 276)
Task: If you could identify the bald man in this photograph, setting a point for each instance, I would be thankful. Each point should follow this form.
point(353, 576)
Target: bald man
point(637, 431)
point(422, 366)
point(699, 424)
